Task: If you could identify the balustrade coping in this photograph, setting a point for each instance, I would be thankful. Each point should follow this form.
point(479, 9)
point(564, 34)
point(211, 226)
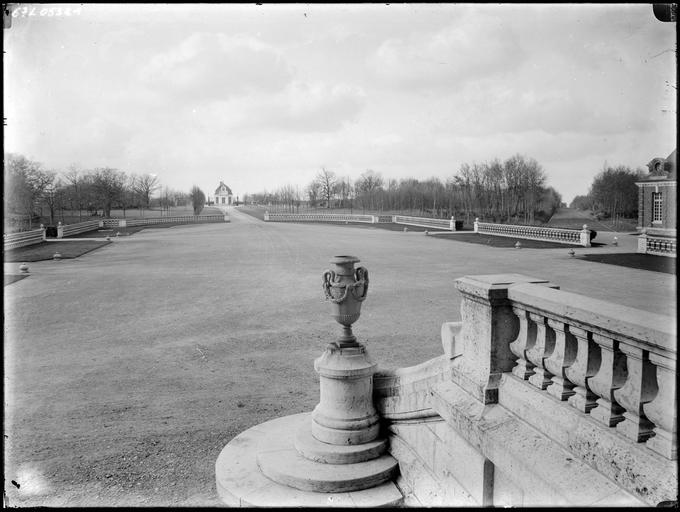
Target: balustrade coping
point(632, 326)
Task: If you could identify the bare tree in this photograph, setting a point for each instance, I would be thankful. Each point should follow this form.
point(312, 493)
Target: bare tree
point(144, 186)
point(327, 183)
point(25, 185)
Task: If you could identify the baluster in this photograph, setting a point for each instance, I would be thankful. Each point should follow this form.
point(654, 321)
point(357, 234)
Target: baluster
point(584, 366)
point(662, 409)
point(640, 387)
point(545, 342)
point(561, 358)
point(609, 377)
point(525, 340)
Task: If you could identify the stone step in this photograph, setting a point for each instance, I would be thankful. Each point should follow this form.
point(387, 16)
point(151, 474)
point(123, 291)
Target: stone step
point(290, 468)
point(318, 451)
point(240, 483)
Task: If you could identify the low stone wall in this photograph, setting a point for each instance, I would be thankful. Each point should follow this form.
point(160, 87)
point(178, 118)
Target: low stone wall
point(370, 219)
point(23, 239)
point(657, 245)
point(185, 219)
point(542, 397)
point(76, 229)
point(318, 217)
point(425, 222)
point(546, 234)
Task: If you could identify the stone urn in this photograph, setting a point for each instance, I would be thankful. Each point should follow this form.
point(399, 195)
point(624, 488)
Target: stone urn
point(346, 288)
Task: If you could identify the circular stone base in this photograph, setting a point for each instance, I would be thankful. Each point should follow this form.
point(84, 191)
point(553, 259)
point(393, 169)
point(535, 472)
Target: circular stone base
point(241, 483)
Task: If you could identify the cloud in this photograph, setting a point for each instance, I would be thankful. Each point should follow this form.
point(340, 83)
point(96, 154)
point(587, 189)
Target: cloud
point(210, 66)
point(474, 46)
point(299, 107)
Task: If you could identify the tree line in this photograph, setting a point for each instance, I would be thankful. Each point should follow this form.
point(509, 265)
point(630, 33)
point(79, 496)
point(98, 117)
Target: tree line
point(514, 190)
point(613, 193)
point(33, 192)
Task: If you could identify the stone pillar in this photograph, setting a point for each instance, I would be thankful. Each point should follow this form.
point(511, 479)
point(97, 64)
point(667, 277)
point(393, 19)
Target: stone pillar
point(60, 230)
point(452, 223)
point(266, 215)
point(585, 236)
point(44, 232)
point(642, 242)
point(488, 327)
point(476, 224)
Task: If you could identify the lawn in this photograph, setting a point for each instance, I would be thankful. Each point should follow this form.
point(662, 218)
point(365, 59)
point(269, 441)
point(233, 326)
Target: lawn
point(650, 262)
point(45, 250)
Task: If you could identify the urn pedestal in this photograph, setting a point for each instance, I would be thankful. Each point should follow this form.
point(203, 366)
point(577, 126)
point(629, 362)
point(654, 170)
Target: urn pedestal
point(334, 455)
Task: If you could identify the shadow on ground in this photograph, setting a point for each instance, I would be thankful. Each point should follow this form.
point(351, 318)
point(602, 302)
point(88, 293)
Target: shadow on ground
point(635, 260)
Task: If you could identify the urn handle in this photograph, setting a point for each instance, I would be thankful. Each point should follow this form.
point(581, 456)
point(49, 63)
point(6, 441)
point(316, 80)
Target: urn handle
point(360, 279)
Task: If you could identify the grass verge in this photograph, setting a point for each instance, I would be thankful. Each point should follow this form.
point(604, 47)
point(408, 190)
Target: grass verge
point(45, 250)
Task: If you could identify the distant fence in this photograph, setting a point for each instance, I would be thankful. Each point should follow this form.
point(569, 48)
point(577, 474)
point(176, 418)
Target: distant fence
point(185, 219)
point(318, 217)
point(76, 229)
point(425, 222)
point(546, 234)
point(657, 245)
point(369, 219)
point(24, 238)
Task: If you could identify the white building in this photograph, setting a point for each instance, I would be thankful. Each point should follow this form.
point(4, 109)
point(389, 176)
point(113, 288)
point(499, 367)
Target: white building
point(223, 195)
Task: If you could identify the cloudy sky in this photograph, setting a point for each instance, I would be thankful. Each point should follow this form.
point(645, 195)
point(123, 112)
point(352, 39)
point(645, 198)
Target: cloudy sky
point(264, 96)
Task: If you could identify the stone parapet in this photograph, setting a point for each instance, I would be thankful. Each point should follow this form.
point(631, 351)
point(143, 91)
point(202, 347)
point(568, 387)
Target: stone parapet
point(548, 398)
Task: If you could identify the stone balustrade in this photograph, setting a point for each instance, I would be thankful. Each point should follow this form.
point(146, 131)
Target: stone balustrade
point(547, 234)
point(75, 229)
point(23, 238)
point(425, 222)
point(616, 364)
point(549, 398)
point(657, 245)
point(318, 217)
point(184, 219)
point(369, 219)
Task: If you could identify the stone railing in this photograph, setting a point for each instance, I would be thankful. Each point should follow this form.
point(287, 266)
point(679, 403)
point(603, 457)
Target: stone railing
point(657, 245)
point(425, 222)
point(185, 219)
point(571, 400)
point(616, 364)
point(318, 217)
point(547, 234)
point(23, 238)
point(75, 229)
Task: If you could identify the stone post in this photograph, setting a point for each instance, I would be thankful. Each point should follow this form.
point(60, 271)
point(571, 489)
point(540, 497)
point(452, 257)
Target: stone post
point(488, 327)
point(585, 236)
point(266, 216)
point(476, 224)
point(60, 230)
point(452, 223)
point(642, 243)
point(44, 232)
